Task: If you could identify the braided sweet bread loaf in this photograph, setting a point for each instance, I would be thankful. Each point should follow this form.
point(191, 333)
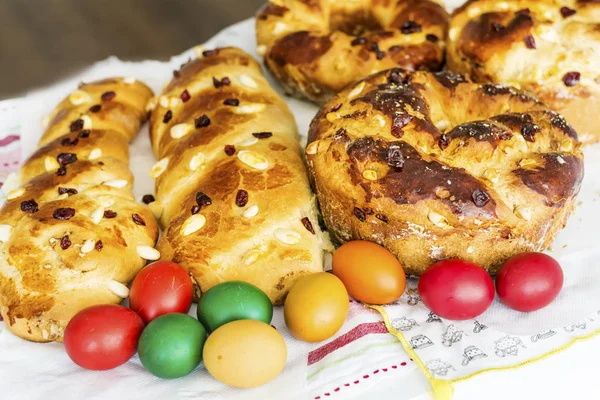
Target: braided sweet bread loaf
point(550, 48)
point(72, 235)
point(236, 200)
point(432, 166)
point(318, 47)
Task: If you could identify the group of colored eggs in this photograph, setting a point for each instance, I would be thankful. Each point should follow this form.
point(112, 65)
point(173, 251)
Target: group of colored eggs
point(233, 335)
point(453, 289)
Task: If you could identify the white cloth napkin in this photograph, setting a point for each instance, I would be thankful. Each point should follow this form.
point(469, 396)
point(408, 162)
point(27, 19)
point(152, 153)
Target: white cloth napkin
point(362, 353)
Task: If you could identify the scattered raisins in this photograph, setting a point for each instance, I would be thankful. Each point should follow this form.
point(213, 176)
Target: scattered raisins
point(66, 158)
point(61, 171)
point(399, 122)
point(220, 83)
point(397, 132)
point(432, 38)
point(571, 78)
point(62, 190)
point(374, 47)
point(29, 206)
point(529, 130)
point(360, 214)
point(65, 242)
point(394, 157)
point(63, 213)
point(185, 96)
point(382, 217)
point(341, 135)
point(567, 12)
point(68, 142)
point(229, 150)
point(176, 73)
point(231, 102)
point(241, 198)
point(110, 214)
point(195, 209)
point(202, 121)
point(358, 41)
point(108, 96)
point(99, 245)
point(480, 198)
point(148, 198)
point(84, 134)
point(530, 42)
point(380, 54)
point(168, 116)
point(444, 141)
point(262, 135)
point(76, 125)
point(95, 108)
point(137, 218)
point(308, 225)
point(368, 211)
point(395, 77)
point(202, 199)
point(410, 27)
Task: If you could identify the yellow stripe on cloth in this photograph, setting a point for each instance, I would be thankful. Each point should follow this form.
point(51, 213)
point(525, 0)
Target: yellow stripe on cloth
point(444, 389)
point(440, 389)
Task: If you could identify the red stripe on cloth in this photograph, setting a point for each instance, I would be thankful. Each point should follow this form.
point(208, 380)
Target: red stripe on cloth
point(8, 140)
point(353, 334)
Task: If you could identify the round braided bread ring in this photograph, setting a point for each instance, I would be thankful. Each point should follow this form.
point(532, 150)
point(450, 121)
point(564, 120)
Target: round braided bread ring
point(434, 167)
point(318, 47)
point(70, 235)
point(549, 48)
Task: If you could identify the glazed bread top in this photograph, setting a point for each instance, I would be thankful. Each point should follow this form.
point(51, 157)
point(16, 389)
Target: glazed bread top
point(316, 48)
point(230, 178)
point(449, 163)
point(524, 43)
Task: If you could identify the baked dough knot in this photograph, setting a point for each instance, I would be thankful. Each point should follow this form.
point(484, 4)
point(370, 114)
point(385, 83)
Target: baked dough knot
point(433, 166)
point(549, 48)
point(318, 47)
point(70, 234)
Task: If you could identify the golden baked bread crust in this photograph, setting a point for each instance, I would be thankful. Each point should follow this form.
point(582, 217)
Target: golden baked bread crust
point(547, 47)
point(318, 47)
point(236, 200)
point(69, 234)
point(434, 167)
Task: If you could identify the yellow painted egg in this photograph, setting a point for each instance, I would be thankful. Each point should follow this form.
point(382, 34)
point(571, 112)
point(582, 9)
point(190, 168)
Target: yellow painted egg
point(245, 353)
point(316, 307)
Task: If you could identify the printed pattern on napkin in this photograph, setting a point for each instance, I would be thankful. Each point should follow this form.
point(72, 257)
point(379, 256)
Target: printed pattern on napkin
point(455, 349)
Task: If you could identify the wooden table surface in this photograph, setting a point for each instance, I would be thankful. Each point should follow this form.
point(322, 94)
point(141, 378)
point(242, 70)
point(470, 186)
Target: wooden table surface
point(44, 40)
